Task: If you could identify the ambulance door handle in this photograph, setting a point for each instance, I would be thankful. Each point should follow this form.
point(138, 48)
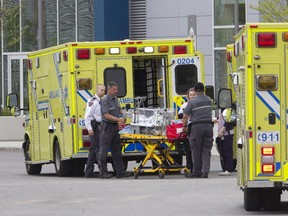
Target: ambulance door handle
point(159, 88)
point(272, 118)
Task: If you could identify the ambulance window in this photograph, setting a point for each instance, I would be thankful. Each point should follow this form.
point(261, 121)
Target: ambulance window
point(266, 82)
point(185, 78)
point(84, 84)
point(117, 75)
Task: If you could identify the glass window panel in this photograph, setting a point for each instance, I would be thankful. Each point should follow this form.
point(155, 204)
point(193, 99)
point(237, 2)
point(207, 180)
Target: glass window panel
point(85, 20)
point(185, 77)
point(222, 37)
point(11, 11)
point(50, 23)
point(29, 26)
point(224, 12)
point(15, 77)
point(67, 21)
point(117, 75)
point(220, 69)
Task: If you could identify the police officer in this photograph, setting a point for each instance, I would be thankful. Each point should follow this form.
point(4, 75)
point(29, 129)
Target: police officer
point(109, 136)
point(201, 137)
point(92, 121)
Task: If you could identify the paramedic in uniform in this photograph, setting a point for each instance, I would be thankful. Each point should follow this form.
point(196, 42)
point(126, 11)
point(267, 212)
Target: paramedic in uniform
point(201, 137)
point(92, 123)
point(109, 136)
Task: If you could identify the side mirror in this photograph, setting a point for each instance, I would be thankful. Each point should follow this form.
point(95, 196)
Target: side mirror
point(12, 100)
point(15, 111)
point(224, 98)
point(229, 115)
point(209, 91)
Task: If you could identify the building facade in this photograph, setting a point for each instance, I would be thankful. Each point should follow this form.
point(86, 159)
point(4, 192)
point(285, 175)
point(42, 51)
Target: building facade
point(44, 23)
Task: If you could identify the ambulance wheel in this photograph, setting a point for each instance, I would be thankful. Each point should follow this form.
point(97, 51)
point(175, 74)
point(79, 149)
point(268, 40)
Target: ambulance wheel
point(160, 174)
point(271, 199)
point(252, 199)
point(62, 167)
point(31, 169)
point(78, 167)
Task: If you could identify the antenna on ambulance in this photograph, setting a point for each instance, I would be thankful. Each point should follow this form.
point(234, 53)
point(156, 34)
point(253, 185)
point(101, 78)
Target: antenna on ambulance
point(191, 34)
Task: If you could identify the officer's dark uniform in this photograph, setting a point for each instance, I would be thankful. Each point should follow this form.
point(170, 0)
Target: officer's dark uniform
point(110, 138)
point(201, 136)
point(92, 122)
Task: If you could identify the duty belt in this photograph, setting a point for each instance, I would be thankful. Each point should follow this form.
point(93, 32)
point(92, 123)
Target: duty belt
point(113, 123)
point(201, 122)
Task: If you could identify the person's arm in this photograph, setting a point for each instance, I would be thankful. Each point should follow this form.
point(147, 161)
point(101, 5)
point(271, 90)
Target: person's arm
point(114, 119)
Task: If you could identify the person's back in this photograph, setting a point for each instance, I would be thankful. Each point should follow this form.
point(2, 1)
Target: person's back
point(201, 137)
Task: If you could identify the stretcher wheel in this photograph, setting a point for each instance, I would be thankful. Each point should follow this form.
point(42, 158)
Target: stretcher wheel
point(161, 174)
point(136, 174)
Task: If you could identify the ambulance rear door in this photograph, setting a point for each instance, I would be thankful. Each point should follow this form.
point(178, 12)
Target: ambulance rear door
point(266, 153)
point(185, 73)
point(119, 70)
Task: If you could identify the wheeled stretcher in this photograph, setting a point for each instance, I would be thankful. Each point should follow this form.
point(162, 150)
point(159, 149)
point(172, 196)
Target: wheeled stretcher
point(158, 152)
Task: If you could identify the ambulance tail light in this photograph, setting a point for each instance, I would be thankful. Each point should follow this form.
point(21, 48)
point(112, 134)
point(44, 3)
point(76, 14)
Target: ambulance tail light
point(72, 121)
point(180, 50)
point(268, 151)
point(83, 54)
point(249, 134)
point(268, 159)
point(268, 168)
point(131, 50)
point(85, 138)
point(29, 64)
point(229, 57)
point(65, 55)
point(266, 39)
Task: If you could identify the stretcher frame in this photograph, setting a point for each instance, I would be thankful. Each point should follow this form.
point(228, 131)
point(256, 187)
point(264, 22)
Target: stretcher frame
point(156, 153)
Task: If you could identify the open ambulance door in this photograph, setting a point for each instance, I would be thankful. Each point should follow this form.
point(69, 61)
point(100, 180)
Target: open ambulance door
point(86, 88)
point(119, 70)
point(185, 73)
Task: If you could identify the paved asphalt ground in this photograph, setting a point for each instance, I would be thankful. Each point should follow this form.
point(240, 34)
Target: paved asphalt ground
point(175, 195)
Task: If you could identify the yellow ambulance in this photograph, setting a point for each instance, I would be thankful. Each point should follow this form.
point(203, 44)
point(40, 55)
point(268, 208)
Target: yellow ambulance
point(64, 77)
point(259, 81)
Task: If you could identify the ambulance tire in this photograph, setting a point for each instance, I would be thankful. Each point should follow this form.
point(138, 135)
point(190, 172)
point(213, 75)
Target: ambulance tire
point(31, 169)
point(252, 199)
point(78, 167)
point(63, 168)
point(271, 199)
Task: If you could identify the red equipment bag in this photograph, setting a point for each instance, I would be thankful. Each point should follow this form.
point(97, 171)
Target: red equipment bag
point(175, 132)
